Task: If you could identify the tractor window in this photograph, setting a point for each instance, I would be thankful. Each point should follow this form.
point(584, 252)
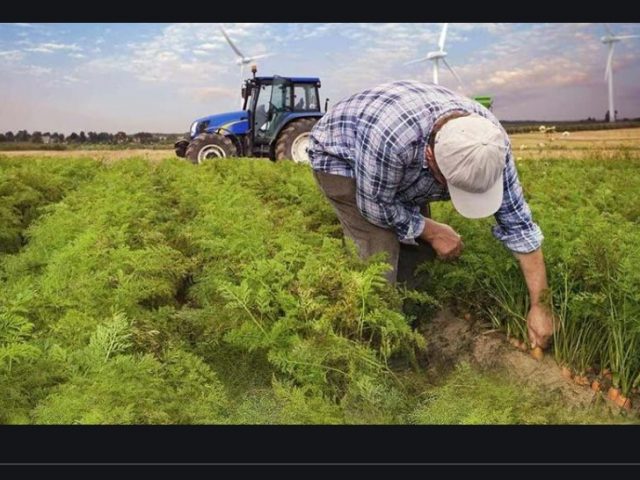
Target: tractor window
point(262, 108)
point(305, 98)
point(281, 97)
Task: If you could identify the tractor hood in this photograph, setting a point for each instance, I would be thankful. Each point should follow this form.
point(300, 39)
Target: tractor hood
point(235, 122)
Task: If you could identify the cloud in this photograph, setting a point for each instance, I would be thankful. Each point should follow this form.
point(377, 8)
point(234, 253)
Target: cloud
point(11, 55)
point(70, 79)
point(54, 47)
point(33, 70)
point(201, 94)
point(182, 54)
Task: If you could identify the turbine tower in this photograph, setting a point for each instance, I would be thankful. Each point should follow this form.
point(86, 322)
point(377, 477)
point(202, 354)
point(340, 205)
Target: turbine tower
point(610, 40)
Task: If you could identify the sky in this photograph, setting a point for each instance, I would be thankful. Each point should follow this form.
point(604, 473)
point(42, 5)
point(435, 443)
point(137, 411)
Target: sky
point(160, 77)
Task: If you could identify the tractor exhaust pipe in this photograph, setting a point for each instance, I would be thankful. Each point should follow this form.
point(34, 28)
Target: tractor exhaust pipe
point(326, 104)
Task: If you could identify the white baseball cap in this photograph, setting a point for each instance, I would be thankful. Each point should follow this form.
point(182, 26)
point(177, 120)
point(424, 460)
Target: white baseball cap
point(471, 154)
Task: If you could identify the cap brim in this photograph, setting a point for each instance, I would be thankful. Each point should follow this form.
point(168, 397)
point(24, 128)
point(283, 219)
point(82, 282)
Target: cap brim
point(477, 205)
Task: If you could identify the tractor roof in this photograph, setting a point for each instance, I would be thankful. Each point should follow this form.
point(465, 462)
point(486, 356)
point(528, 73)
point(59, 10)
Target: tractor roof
point(293, 79)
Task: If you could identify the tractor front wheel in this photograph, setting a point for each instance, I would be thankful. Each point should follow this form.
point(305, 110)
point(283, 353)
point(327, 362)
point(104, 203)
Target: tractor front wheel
point(293, 141)
point(208, 146)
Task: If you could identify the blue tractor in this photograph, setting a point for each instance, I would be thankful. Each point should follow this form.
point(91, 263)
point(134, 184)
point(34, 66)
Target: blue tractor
point(276, 117)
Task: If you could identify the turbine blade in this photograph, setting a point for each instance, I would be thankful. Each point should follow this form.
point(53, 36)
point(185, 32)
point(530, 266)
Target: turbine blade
point(235, 49)
point(624, 37)
point(453, 72)
point(264, 55)
point(607, 72)
point(416, 61)
point(435, 71)
point(443, 36)
point(606, 25)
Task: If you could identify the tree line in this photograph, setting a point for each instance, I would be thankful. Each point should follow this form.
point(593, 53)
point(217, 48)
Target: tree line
point(23, 136)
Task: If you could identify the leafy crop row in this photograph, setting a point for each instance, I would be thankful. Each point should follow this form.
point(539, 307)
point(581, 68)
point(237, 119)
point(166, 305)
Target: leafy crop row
point(589, 213)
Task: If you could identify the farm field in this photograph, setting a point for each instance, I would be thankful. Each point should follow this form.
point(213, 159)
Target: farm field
point(138, 288)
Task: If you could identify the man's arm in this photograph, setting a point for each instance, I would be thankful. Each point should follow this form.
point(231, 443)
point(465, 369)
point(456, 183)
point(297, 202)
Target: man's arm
point(539, 321)
point(517, 231)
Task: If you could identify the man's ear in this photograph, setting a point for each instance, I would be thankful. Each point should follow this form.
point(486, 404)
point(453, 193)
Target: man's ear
point(428, 153)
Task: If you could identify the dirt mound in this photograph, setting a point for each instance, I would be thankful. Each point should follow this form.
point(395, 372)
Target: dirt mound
point(452, 340)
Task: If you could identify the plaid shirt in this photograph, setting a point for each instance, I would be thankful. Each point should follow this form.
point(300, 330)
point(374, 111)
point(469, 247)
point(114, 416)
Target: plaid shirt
point(379, 136)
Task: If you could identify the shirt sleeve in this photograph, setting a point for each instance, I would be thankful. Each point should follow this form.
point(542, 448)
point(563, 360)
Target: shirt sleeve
point(380, 166)
point(515, 227)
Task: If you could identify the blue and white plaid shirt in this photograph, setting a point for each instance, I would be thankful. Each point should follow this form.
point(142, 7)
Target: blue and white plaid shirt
point(379, 136)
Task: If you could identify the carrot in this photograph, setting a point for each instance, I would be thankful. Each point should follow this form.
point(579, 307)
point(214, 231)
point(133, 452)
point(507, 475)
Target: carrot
point(537, 353)
point(623, 402)
point(613, 394)
point(566, 372)
point(581, 380)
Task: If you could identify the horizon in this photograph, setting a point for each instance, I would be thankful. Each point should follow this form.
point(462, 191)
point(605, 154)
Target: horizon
point(132, 133)
point(160, 77)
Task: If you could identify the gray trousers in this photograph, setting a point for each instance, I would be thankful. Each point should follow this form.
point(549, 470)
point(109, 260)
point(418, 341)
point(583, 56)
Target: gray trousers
point(369, 238)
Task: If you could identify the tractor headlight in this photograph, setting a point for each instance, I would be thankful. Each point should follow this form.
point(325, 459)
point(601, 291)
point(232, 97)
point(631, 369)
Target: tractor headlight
point(194, 125)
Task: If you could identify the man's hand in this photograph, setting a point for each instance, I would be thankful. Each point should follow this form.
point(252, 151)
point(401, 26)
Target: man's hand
point(540, 325)
point(444, 239)
point(539, 319)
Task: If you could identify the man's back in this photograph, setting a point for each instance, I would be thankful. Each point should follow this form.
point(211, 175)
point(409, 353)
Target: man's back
point(401, 113)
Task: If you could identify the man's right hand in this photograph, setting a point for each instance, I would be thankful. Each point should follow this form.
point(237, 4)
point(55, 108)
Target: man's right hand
point(444, 239)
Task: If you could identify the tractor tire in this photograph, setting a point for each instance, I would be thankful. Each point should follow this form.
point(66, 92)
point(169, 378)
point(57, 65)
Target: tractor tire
point(293, 141)
point(207, 146)
point(181, 148)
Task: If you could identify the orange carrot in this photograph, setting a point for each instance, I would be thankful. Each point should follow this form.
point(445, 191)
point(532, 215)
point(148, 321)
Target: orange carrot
point(537, 353)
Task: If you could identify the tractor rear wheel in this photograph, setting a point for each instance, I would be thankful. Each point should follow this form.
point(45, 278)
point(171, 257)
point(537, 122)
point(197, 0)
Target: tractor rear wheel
point(208, 146)
point(293, 141)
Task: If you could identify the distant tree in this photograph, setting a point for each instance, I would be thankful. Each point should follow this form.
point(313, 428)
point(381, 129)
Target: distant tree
point(3, 137)
point(606, 116)
point(615, 115)
point(22, 136)
point(143, 137)
point(83, 137)
point(120, 137)
point(104, 137)
point(73, 138)
point(36, 137)
point(10, 136)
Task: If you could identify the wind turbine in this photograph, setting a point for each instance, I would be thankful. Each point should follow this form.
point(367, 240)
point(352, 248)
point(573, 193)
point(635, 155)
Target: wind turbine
point(437, 56)
point(242, 59)
point(611, 40)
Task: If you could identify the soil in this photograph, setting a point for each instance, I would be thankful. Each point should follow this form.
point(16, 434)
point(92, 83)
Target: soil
point(451, 340)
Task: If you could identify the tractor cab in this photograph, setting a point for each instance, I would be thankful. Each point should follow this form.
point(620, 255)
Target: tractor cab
point(274, 102)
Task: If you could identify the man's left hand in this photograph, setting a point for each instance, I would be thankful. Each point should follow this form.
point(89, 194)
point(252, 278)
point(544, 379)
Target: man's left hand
point(540, 325)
